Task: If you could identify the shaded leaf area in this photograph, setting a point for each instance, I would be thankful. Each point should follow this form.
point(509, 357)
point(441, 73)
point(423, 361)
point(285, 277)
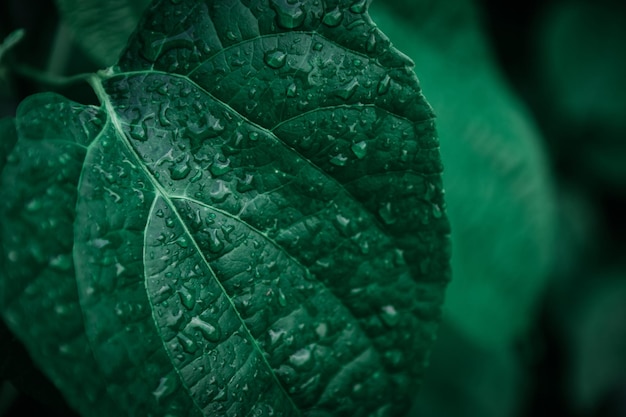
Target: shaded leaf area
point(101, 28)
point(38, 276)
point(224, 263)
point(499, 190)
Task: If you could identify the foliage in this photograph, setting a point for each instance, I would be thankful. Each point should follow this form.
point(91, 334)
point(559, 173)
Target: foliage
point(251, 222)
point(529, 109)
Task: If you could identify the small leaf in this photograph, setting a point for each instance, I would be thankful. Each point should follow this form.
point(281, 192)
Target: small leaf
point(39, 301)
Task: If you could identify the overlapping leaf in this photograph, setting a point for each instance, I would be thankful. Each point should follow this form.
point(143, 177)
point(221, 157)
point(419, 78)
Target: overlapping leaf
point(499, 189)
point(259, 223)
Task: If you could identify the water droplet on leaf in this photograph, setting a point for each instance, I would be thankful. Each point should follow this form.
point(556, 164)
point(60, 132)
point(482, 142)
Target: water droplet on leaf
point(291, 90)
point(275, 59)
point(208, 331)
point(288, 16)
point(389, 316)
point(333, 18)
point(187, 298)
point(339, 160)
point(347, 90)
point(187, 344)
point(180, 171)
point(383, 85)
point(359, 6)
point(359, 149)
point(386, 214)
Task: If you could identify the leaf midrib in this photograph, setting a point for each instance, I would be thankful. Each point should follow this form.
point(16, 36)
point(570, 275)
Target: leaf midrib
point(103, 96)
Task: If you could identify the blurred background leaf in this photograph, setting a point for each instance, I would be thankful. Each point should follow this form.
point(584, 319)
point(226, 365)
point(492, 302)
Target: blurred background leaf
point(101, 28)
point(498, 188)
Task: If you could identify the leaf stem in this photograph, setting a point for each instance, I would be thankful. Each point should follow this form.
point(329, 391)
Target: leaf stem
point(47, 78)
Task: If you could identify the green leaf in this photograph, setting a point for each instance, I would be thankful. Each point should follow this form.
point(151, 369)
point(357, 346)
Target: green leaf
point(467, 380)
point(259, 225)
point(101, 28)
point(39, 299)
point(498, 187)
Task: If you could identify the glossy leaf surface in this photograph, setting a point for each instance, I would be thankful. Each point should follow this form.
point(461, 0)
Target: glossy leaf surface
point(257, 217)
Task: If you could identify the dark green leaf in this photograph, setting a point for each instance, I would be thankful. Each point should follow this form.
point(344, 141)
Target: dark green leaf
point(497, 185)
point(39, 297)
point(259, 224)
point(102, 28)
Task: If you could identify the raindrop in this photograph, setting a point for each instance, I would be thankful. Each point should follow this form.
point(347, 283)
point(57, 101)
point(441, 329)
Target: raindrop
point(61, 262)
point(339, 160)
point(291, 90)
point(365, 247)
point(182, 242)
point(288, 16)
point(169, 222)
point(389, 316)
point(321, 330)
point(275, 59)
point(231, 35)
point(342, 223)
point(180, 171)
point(222, 395)
point(301, 358)
point(187, 344)
point(215, 244)
point(359, 6)
point(245, 184)
point(159, 213)
point(208, 331)
point(166, 387)
point(219, 191)
point(138, 131)
point(437, 211)
point(359, 149)
point(207, 127)
point(187, 298)
point(34, 205)
point(282, 300)
point(253, 136)
point(347, 90)
point(220, 165)
point(386, 214)
point(317, 46)
point(333, 18)
point(383, 85)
